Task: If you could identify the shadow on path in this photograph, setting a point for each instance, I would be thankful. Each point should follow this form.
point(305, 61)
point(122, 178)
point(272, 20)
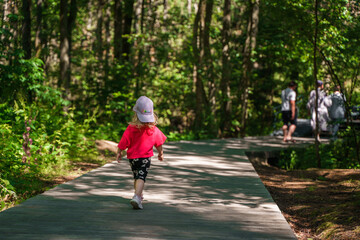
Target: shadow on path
point(204, 190)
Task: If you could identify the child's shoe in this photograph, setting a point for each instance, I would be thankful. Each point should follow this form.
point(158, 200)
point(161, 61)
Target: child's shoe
point(136, 202)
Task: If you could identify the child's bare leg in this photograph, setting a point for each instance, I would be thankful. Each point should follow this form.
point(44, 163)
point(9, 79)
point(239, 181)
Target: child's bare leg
point(139, 187)
point(135, 190)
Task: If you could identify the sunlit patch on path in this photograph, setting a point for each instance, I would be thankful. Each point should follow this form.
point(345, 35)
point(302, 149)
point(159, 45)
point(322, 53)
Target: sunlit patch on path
point(203, 190)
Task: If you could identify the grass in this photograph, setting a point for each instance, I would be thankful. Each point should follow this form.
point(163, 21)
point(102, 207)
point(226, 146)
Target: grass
point(28, 185)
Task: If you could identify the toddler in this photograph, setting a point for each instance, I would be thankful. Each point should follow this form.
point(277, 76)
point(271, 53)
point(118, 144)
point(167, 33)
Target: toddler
point(139, 139)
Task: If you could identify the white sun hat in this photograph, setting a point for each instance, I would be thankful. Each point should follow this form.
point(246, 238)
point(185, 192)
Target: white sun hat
point(144, 109)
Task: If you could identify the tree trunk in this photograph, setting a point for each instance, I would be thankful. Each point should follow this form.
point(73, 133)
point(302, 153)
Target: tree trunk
point(128, 17)
point(70, 27)
point(198, 51)
point(151, 21)
point(99, 50)
point(206, 32)
point(98, 32)
point(316, 86)
point(250, 45)
point(64, 45)
point(45, 42)
point(107, 46)
point(226, 111)
point(39, 19)
point(12, 8)
point(208, 66)
point(139, 25)
point(196, 77)
point(189, 7)
point(118, 29)
point(107, 43)
point(26, 28)
point(67, 21)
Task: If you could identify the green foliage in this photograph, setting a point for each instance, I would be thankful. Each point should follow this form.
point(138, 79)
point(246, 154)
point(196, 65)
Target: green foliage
point(160, 65)
point(42, 134)
point(174, 136)
point(39, 131)
point(338, 154)
point(7, 192)
point(289, 162)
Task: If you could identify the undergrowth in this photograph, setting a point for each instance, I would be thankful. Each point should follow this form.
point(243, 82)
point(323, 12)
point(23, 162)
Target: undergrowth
point(42, 136)
point(337, 154)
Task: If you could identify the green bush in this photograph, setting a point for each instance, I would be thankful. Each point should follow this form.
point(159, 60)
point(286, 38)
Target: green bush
point(41, 133)
point(338, 154)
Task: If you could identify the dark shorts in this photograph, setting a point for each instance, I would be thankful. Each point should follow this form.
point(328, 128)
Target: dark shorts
point(140, 167)
point(286, 117)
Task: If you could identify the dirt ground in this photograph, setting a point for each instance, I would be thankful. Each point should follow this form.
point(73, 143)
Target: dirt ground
point(318, 204)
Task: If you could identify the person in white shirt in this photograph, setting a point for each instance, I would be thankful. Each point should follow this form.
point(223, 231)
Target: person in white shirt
point(337, 110)
point(288, 110)
point(322, 108)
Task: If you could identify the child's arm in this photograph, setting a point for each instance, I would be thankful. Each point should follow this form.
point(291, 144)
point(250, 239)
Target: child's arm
point(160, 152)
point(118, 155)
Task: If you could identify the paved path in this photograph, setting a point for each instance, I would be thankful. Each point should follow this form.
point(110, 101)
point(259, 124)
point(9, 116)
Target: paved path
point(204, 190)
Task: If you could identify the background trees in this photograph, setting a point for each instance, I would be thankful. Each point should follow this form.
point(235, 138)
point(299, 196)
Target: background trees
point(232, 57)
point(213, 68)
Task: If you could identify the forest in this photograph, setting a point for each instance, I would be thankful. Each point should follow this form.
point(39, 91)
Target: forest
point(71, 71)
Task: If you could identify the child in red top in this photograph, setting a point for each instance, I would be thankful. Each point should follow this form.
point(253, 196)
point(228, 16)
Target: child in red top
point(139, 138)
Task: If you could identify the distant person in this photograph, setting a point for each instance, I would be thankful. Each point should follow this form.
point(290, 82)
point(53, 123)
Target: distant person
point(288, 110)
point(336, 110)
point(323, 103)
point(139, 139)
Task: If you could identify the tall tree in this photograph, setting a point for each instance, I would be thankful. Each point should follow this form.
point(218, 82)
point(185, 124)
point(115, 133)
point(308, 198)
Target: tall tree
point(99, 50)
point(12, 12)
point(225, 97)
point(189, 7)
point(39, 20)
point(107, 43)
point(118, 29)
point(67, 19)
point(152, 22)
point(99, 31)
point(208, 61)
point(71, 24)
point(198, 52)
point(26, 28)
point(316, 84)
point(138, 55)
point(128, 18)
point(64, 45)
point(249, 47)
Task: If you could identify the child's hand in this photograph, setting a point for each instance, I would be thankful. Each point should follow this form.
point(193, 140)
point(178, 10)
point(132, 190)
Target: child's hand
point(118, 157)
point(160, 152)
point(161, 156)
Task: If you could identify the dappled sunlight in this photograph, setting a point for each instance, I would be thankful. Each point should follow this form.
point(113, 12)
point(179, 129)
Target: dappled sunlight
point(211, 166)
point(203, 189)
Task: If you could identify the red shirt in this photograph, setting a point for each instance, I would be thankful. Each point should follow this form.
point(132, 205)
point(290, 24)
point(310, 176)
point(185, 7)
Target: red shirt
point(140, 142)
